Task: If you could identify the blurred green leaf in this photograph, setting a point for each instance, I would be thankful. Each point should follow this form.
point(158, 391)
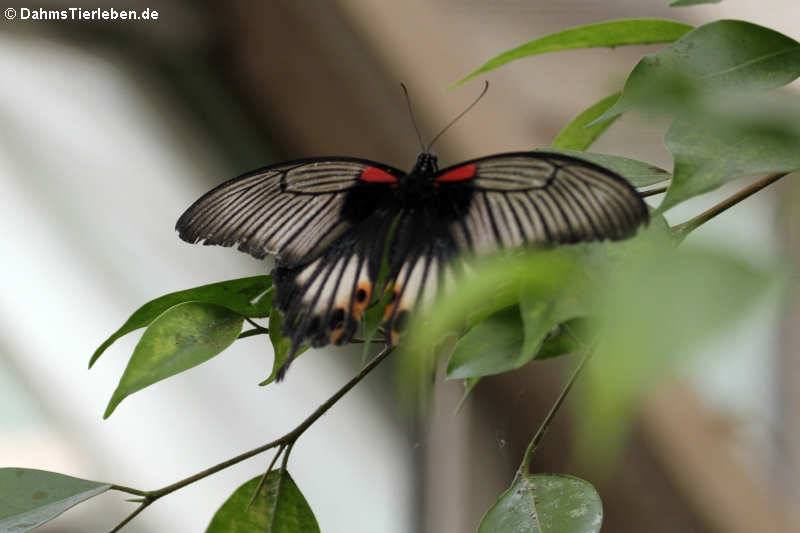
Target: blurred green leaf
point(540, 316)
point(652, 309)
point(182, 337)
point(562, 342)
point(683, 3)
point(638, 173)
point(250, 297)
point(280, 345)
point(545, 503)
point(603, 34)
point(469, 386)
point(373, 319)
point(578, 135)
point(29, 498)
point(491, 347)
point(729, 55)
point(279, 508)
point(513, 336)
point(708, 153)
point(493, 284)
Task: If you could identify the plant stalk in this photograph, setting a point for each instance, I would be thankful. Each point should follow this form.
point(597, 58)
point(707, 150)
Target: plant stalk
point(681, 231)
point(287, 440)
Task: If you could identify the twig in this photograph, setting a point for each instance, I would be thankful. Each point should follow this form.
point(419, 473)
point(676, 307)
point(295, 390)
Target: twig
point(131, 516)
point(264, 477)
point(254, 323)
point(524, 468)
point(251, 332)
point(651, 192)
point(287, 440)
point(682, 230)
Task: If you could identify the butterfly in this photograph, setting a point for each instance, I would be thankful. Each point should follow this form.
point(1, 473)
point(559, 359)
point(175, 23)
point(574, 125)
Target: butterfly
point(327, 221)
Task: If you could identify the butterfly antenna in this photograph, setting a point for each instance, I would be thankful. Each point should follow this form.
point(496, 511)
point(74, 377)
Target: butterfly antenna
point(470, 106)
point(413, 118)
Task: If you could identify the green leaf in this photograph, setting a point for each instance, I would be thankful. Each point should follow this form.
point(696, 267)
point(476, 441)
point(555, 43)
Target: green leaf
point(653, 305)
point(491, 347)
point(32, 497)
point(513, 336)
point(603, 34)
point(469, 386)
point(561, 343)
point(250, 297)
point(708, 155)
point(182, 337)
point(280, 345)
point(724, 55)
point(578, 135)
point(545, 503)
point(540, 316)
point(493, 284)
point(683, 3)
point(638, 173)
point(279, 508)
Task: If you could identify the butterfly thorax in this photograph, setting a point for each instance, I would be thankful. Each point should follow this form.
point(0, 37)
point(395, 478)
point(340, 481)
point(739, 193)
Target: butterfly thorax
point(417, 186)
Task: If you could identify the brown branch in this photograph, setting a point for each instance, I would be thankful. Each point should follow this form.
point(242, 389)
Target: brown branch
point(681, 231)
point(287, 440)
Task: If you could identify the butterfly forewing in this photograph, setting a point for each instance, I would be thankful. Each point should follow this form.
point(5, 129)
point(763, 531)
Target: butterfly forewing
point(540, 198)
point(291, 210)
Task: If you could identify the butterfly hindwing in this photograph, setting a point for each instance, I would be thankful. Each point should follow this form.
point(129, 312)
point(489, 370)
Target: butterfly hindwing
point(420, 264)
point(539, 197)
point(292, 210)
point(323, 301)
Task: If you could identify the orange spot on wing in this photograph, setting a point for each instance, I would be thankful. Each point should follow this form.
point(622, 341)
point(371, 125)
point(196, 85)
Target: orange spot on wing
point(336, 335)
point(393, 302)
point(361, 299)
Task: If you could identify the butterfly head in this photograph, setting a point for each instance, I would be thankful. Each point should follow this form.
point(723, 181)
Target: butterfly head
point(427, 164)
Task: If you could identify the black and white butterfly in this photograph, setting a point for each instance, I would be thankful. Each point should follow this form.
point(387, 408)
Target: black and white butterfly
point(326, 220)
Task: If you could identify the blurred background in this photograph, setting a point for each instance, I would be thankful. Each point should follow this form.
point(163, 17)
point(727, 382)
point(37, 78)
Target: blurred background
point(108, 131)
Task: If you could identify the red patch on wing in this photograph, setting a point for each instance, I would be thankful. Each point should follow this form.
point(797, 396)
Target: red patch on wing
point(457, 174)
point(376, 175)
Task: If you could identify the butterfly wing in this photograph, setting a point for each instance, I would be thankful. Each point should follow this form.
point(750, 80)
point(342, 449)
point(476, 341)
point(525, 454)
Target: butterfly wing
point(292, 210)
point(420, 263)
point(505, 201)
point(323, 301)
point(513, 199)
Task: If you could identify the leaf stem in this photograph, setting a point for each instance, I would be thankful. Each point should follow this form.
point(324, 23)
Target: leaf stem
point(286, 441)
point(525, 466)
point(129, 490)
point(251, 332)
point(264, 477)
point(254, 323)
point(131, 516)
point(681, 231)
point(651, 192)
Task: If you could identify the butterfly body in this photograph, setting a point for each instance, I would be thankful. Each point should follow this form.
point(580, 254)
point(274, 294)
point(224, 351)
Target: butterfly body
point(328, 221)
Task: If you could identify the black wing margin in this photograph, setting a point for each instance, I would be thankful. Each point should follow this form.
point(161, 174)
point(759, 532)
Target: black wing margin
point(539, 197)
point(291, 210)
